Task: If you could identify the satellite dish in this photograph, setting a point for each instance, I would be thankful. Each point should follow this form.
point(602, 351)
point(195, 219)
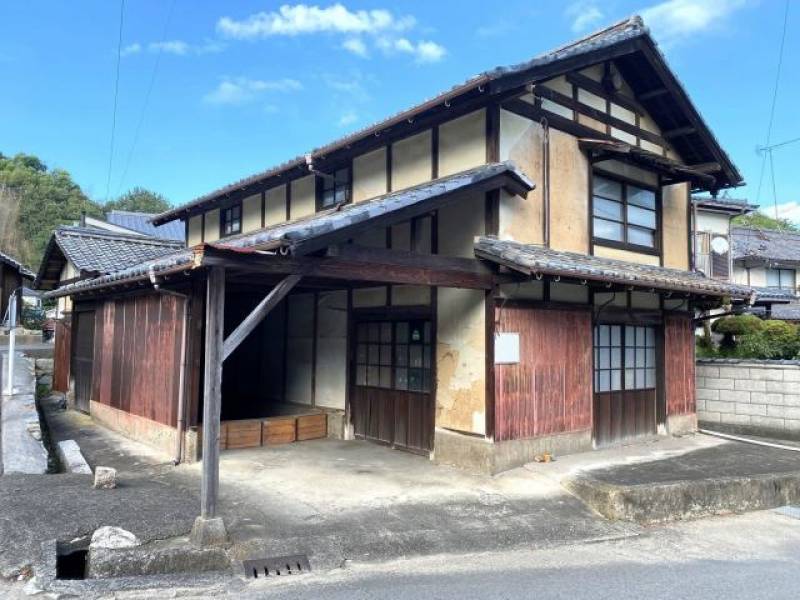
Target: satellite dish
point(719, 245)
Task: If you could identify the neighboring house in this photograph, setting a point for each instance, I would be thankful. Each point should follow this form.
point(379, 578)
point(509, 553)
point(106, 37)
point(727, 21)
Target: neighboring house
point(13, 278)
point(712, 241)
point(768, 260)
point(132, 223)
point(425, 292)
point(74, 253)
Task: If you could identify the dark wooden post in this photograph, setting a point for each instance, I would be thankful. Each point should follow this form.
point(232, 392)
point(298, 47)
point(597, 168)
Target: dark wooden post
point(208, 528)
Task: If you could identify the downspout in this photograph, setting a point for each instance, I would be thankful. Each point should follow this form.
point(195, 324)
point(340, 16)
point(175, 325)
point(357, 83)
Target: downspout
point(181, 417)
point(546, 180)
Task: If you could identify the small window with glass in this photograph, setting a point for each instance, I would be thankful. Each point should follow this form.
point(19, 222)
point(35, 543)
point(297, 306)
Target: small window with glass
point(781, 278)
point(335, 190)
point(624, 214)
point(624, 358)
point(394, 355)
point(231, 220)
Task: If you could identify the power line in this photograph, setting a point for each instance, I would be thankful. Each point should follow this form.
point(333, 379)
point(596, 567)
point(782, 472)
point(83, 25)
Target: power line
point(146, 97)
point(778, 145)
point(116, 95)
point(774, 100)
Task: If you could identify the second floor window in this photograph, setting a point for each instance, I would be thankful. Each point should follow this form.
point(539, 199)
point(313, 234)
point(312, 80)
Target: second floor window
point(335, 190)
point(781, 278)
point(231, 220)
point(624, 214)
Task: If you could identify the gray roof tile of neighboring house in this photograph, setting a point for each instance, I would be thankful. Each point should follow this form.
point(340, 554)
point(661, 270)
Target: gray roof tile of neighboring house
point(532, 260)
point(765, 245)
point(786, 312)
point(141, 222)
point(628, 29)
point(340, 222)
point(14, 263)
point(98, 251)
point(731, 205)
point(774, 294)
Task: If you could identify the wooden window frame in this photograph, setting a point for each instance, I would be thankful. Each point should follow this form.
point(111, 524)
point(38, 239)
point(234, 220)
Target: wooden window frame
point(623, 347)
point(223, 214)
point(792, 284)
point(348, 187)
point(625, 182)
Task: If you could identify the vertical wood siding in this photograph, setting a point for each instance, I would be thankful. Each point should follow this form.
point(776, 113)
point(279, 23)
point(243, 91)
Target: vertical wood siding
point(61, 356)
point(550, 390)
point(679, 365)
point(137, 355)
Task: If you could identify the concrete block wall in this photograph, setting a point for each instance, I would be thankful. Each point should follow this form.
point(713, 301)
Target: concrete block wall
point(749, 396)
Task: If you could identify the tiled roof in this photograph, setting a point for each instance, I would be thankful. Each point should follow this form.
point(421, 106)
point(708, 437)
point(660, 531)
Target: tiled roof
point(141, 222)
point(616, 34)
point(307, 233)
point(732, 205)
point(765, 245)
point(773, 294)
point(14, 263)
point(295, 233)
point(786, 312)
point(534, 260)
point(103, 251)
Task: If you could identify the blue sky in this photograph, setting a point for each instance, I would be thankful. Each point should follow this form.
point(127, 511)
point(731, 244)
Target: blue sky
point(243, 85)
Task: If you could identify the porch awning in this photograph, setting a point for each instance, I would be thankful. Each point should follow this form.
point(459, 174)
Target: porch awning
point(320, 230)
point(285, 248)
point(537, 260)
point(608, 149)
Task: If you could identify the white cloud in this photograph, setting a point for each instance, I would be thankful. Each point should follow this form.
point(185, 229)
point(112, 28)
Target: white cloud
point(177, 47)
point(786, 210)
point(302, 19)
point(361, 29)
point(675, 20)
point(584, 15)
point(241, 90)
point(423, 52)
point(130, 49)
point(356, 46)
point(348, 118)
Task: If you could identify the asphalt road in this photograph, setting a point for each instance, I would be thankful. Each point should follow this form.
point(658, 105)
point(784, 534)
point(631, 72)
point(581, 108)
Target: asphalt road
point(752, 556)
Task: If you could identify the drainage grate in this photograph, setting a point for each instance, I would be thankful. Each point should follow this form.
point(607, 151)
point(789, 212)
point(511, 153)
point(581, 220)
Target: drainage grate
point(278, 565)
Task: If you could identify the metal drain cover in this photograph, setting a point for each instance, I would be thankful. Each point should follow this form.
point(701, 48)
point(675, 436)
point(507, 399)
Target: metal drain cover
point(277, 565)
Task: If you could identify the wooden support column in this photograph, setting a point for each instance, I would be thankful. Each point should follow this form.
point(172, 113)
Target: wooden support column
point(208, 529)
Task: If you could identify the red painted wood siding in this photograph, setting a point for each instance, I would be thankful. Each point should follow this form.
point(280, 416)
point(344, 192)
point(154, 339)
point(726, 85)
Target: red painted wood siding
point(550, 390)
point(679, 365)
point(61, 356)
point(137, 355)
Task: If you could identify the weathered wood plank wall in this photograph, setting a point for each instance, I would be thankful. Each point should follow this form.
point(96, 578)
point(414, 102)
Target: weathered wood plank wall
point(550, 390)
point(137, 355)
point(61, 356)
point(679, 365)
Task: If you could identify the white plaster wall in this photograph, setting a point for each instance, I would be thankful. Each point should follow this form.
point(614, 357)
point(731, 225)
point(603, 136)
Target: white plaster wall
point(275, 207)
point(251, 213)
point(369, 175)
point(331, 376)
point(412, 162)
point(195, 230)
point(211, 232)
point(304, 200)
point(462, 143)
point(713, 222)
point(299, 342)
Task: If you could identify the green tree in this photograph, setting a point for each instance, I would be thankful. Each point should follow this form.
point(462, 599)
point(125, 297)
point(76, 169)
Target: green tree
point(41, 199)
point(139, 199)
point(759, 220)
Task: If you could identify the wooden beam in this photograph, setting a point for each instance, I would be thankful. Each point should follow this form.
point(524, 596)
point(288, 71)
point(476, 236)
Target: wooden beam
point(649, 95)
point(597, 88)
point(354, 263)
point(678, 132)
point(263, 308)
point(212, 390)
point(709, 167)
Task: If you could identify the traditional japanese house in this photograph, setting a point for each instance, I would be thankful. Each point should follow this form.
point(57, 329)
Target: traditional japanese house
point(504, 269)
point(13, 277)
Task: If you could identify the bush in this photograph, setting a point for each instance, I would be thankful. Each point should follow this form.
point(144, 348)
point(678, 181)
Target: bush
point(32, 318)
point(774, 341)
point(733, 327)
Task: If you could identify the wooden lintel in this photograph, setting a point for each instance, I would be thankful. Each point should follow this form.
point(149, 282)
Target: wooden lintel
point(678, 132)
point(367, 264)
point(655, 93)
point(257, 315)
point(708, 167)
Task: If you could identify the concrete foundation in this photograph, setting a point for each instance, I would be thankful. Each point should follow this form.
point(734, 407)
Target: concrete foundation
point(209, 532)
point(480, 455)
point(682, 424)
